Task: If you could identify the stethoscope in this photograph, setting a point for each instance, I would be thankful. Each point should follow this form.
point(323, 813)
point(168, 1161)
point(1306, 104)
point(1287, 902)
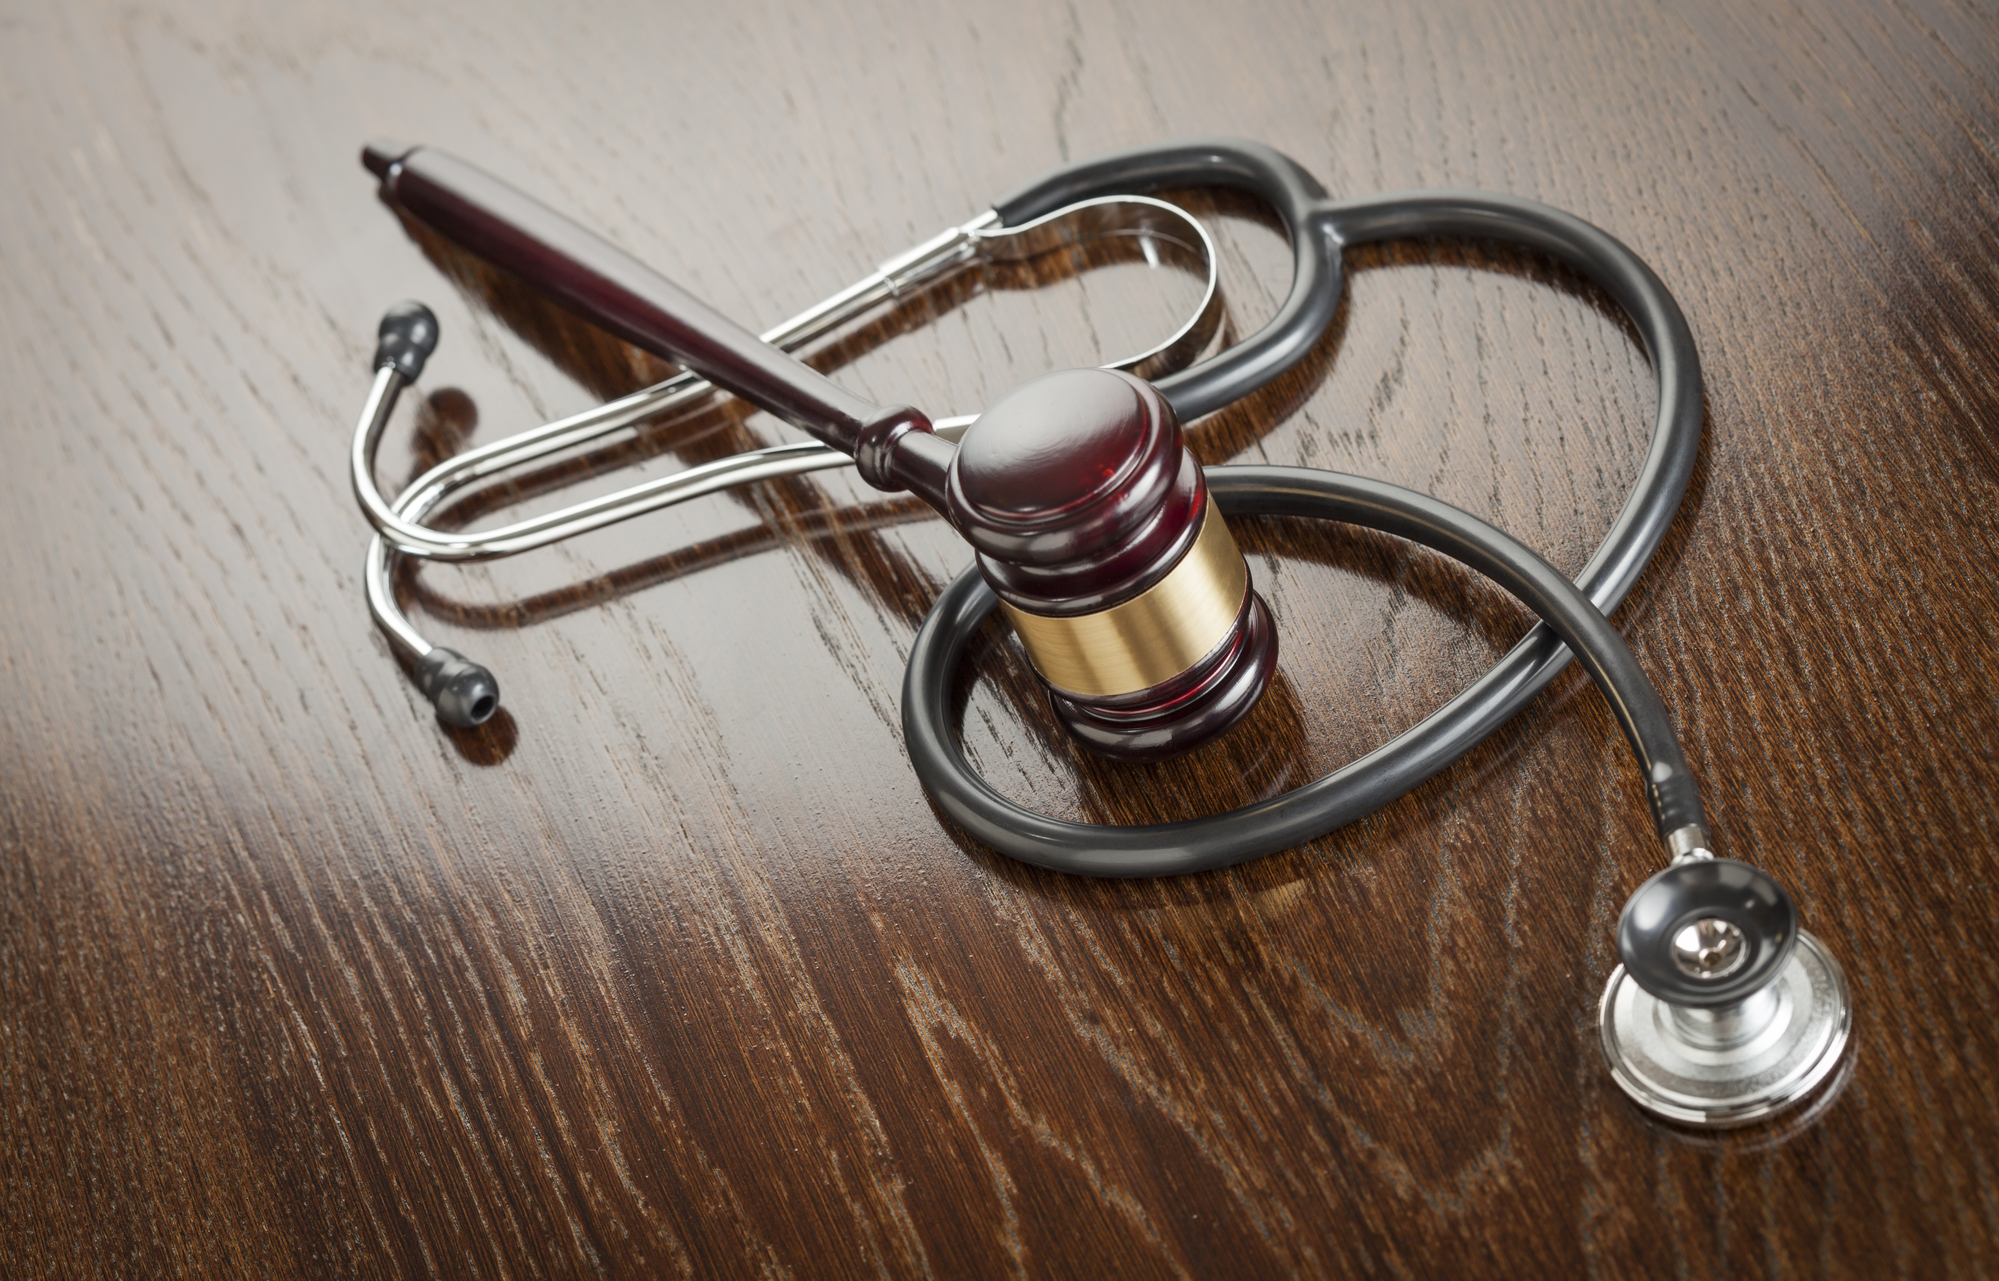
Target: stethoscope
point(1723, 1011)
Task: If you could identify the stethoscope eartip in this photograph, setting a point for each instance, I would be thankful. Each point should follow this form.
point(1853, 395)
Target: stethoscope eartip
point(405, 338)
point(464, 693)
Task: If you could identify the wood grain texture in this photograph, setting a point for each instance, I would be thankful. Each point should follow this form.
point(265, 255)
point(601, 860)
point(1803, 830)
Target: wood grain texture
point(672, 969)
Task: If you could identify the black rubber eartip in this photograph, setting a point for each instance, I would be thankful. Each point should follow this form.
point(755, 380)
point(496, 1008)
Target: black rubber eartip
point(406, 337)
point(1707, 933)
point(381, 155)
point(464, 693)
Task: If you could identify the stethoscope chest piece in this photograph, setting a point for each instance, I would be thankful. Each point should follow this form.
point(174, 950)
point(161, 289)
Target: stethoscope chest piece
point(1723, 1013)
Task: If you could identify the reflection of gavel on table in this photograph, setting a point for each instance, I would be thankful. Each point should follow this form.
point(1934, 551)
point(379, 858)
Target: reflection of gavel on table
point(1091, 521)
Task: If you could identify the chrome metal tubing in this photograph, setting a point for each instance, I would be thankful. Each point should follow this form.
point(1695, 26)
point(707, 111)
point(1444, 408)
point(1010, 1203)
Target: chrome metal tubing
point(770, 463)
point(400, 523)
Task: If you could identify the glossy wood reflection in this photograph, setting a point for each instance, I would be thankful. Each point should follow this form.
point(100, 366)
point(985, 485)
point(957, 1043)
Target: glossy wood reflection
point(672, 968)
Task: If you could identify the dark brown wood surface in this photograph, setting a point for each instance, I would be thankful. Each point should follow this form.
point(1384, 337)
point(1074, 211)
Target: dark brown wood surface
point(672, 969)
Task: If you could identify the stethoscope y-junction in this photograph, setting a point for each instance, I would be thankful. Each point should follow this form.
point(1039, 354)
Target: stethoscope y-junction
point(1106, 547)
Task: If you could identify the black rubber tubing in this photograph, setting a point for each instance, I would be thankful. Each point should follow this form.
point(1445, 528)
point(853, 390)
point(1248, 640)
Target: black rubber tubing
point(1319, 229)
point(1221, 840)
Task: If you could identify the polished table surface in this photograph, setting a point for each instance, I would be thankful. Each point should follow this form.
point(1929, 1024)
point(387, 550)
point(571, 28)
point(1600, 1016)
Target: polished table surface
point(672, 968)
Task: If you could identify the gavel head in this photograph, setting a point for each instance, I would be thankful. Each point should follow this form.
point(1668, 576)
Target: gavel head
point(1094, 526)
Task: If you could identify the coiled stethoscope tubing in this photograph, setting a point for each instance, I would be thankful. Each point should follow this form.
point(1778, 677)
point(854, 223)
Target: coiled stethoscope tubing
point(1309, 811)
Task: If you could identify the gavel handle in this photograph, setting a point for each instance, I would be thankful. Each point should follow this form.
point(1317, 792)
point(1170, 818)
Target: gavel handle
point(608, 287)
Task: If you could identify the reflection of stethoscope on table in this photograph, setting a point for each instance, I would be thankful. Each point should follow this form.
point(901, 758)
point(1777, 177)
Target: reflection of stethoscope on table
point(1099, 536)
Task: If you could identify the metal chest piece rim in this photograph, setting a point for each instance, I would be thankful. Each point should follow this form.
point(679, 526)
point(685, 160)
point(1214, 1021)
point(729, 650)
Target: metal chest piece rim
point(1723, 1068)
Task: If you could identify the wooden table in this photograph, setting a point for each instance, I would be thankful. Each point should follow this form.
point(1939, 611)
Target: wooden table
point(672, 968)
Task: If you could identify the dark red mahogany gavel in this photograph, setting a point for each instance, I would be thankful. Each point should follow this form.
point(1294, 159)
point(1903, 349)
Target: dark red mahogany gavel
point(1091, 521)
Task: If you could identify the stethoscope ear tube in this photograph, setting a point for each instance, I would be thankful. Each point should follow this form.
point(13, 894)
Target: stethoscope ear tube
point(1358, 789)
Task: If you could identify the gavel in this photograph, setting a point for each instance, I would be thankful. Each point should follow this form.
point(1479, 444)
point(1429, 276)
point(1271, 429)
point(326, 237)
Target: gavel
point(1088, 517)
